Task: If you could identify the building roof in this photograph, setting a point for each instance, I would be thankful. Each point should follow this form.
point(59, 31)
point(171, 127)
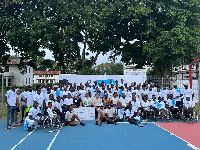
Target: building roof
point(15, 61)
point(47, 72)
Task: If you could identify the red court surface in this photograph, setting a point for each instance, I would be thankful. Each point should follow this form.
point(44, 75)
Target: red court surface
point(185, 130)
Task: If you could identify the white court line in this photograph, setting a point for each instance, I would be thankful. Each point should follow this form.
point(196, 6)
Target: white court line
point(54, 139)
point(22, 140)
point(128, 122)
point(189, 144)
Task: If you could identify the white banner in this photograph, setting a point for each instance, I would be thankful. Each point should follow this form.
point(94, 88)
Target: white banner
point(85, 113)
point(84, 78)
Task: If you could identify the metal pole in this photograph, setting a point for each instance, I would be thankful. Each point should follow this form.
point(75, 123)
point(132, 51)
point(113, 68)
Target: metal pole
point(2, 89)
point(162, 81)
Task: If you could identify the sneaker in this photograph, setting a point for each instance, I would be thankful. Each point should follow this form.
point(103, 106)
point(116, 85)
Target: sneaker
point(8, 128)
point(96, 123)
point(82, 124)
point(13, 126)
point(22, 121)
point(100, 124)
point(115, 123)
point(140, 125)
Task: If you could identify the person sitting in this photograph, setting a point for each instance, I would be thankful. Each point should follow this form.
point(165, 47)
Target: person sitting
point(115, 99)
point(87, 101)
point(110, 113)
point(106, 99)
point(70, 118)
point(161, 107)
point(188, 106)
point(34, 116)
point(77, 101)
point(102, 115)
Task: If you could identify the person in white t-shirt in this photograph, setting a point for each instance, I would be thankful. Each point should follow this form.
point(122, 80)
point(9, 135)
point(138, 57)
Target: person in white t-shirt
point(10, 100)
point(39, 97)
point(102, 115)
point(70, 118)
point(115, 99)
point(188, 106)
point(188, 91)
point(29, 99)
point(110, 113)
point(34, 116)
point(162, 108)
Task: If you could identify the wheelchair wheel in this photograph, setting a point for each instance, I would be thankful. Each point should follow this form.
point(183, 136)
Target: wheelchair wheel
point(195, 116)
point(51, 124)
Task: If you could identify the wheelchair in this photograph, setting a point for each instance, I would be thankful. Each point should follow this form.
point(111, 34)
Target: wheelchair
point(147, 115)
point(160, 116)
point(51, 123)
point(193, 116)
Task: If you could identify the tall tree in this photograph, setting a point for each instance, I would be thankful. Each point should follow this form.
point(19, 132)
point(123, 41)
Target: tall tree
point(165, 37)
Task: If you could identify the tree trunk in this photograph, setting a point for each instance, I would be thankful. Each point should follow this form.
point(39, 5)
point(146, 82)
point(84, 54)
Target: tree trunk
point(95, 59)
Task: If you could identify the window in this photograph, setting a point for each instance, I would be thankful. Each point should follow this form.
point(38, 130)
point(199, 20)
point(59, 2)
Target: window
point(29, 70)
point(29, 80)
point(26, 80)
point(40, 75)
point(51, 75)
point(6, 68)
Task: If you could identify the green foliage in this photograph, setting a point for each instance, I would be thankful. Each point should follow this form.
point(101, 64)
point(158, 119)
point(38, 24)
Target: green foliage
point(109, 69)
point(166, 35)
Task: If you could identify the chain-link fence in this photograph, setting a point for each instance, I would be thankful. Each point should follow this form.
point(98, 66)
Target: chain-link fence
point(169, 83)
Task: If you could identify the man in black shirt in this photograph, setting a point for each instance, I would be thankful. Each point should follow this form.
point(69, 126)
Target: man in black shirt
point(77, 101)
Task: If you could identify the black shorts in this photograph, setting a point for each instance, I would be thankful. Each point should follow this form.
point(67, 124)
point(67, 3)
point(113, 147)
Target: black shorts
point(17, 109)
point(67, 123)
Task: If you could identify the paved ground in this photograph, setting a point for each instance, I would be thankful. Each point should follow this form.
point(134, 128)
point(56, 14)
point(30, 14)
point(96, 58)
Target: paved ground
point(121, 136)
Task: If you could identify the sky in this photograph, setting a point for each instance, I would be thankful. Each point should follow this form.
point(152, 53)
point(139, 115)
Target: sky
point(100, 59)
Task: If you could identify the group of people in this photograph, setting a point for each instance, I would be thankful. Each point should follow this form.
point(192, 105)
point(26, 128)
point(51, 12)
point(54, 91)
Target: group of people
point(113, 102)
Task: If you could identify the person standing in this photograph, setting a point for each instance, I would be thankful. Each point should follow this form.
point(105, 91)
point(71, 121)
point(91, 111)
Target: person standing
point(10, 100)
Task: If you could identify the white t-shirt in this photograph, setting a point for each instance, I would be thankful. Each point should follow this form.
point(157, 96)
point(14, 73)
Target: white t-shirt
point(145, 104)
point(58, 105)
point(82, 92)
point(188, 92)
point(120, 113)
point(11, 98)
point(189, 103)
point(110, 112)
point(175, 93)
point(115, 100)
point(68, 101)
point(68, 115)
point(162, 105)
point(124, 101)
point(50, 112)
point(129, 113)
point(135, 106)
point(46, 97)
point(34, 112)
point(39, 99)
point(23, 95)
point(154, 104)
point(29, 96)
point(164, 94)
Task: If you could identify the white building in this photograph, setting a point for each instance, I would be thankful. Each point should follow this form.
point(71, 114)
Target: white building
point(12, 73)
point(182, 72)
point(46, 77)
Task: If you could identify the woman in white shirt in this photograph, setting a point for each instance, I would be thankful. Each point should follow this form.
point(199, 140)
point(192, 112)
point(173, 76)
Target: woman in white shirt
point(70, 118)
point(115, 99)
